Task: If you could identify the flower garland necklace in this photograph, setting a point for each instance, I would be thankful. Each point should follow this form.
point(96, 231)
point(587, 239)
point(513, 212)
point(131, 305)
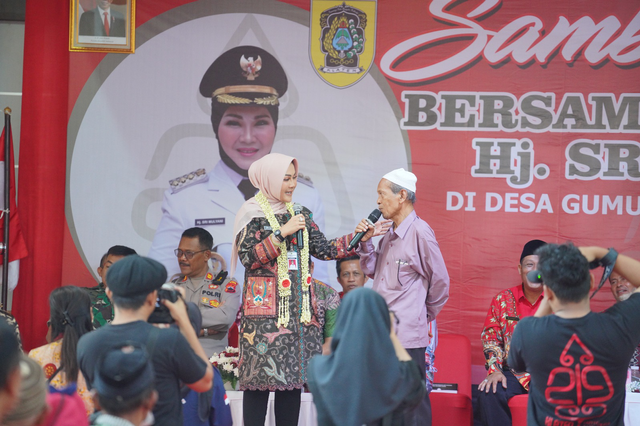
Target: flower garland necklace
point(284, 283)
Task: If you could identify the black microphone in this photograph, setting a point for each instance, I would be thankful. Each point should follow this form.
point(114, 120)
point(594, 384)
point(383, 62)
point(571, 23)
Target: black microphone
point(297, 209)
point(373, 218)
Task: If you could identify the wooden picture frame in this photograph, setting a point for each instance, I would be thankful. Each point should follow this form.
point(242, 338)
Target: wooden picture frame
point(102, 26)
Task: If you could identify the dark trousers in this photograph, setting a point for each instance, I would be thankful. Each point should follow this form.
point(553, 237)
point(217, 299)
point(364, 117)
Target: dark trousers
point(493, 408)
point(287, 407)
point(420, 415)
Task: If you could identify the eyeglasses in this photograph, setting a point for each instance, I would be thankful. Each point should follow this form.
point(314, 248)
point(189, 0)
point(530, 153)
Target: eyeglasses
point(187, 253)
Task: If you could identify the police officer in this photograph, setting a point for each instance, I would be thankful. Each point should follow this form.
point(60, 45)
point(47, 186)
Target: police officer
point(217, 296)
point(245, 85)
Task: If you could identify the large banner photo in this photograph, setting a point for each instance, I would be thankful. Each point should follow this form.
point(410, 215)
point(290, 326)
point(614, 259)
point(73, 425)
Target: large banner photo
point(520, 120)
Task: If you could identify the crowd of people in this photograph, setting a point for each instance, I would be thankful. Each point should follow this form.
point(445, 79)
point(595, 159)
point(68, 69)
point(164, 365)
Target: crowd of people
point(136, 348)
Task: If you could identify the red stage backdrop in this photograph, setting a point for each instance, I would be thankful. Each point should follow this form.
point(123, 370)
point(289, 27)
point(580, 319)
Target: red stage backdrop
point(521, 121)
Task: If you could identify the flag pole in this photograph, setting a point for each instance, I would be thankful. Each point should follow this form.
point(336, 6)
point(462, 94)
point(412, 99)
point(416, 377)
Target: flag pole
point(7, 205)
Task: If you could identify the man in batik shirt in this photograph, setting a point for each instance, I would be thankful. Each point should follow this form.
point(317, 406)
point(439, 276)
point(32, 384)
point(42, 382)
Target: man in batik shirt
point(621, 289)
point(507, 308)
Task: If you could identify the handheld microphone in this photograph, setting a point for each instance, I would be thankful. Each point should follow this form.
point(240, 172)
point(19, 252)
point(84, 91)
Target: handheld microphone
point(373, 218)
point(297, 209)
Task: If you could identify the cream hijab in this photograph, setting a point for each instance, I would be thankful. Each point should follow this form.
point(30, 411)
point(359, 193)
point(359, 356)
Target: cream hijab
point(266, 174)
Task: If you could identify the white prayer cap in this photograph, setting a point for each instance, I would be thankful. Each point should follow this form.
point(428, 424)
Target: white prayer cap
point(401, 177)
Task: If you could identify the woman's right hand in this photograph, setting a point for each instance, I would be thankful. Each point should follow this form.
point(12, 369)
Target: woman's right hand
point(295, 224)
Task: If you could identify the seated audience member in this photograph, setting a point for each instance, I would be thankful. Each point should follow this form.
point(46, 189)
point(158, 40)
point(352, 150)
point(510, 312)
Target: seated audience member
point(214, 411)
point(32, 406)
point(350, 274)
point(176, 353)
point(622, 289)
point(65, 409)
point(368, 378)
point(577, 358)
point(100, 303)
point(70, 319)
point(10, 377)
point(123, 386)
point(209, 289)
point(507, 308)
point(325, 304)
point(11, 321)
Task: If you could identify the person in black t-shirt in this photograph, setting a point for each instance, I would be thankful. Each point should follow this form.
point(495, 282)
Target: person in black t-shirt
point(176, 354)
point(577, 358)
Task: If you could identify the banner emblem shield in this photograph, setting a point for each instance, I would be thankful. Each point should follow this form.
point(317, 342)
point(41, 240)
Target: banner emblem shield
point(343, 40)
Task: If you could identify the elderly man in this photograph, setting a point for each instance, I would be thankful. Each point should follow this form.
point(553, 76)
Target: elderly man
point(211, 290)
point(622, 289)
point(408, 270)
point(507, 308)
point(577, 358)
point(350, 274)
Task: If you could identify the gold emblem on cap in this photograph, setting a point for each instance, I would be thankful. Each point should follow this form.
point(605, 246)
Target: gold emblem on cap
point(224, 95)
point(250, 67)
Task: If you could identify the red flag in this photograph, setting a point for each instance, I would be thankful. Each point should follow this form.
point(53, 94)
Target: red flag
point(17, 246)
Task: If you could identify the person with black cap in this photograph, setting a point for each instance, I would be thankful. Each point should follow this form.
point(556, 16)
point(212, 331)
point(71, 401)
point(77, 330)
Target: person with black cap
point(507, 308)
point(124, 387)
point(176, 354)
point(245, 85)
point(577, 358)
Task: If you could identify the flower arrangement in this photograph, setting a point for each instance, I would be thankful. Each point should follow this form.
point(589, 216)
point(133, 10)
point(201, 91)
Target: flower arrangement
point(227, 363)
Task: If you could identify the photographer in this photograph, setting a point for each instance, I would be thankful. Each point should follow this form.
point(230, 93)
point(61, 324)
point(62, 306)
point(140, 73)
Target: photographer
point(577, 358)
point(177, 355)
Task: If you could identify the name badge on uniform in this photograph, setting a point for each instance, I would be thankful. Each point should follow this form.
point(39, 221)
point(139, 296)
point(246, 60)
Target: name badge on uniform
point(292, 256)
point(267, 228)
point(210, 221)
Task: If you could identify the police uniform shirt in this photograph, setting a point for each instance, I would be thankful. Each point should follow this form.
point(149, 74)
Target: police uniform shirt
point(218, 303)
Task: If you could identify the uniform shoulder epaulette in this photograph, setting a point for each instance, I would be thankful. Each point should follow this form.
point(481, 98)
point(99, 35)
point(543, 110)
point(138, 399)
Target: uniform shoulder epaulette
point(184, 181)
point(222, 275)
point(178, 277)
point(306, 179)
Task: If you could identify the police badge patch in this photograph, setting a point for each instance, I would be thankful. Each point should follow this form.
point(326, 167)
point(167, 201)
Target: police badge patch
point(342, 42)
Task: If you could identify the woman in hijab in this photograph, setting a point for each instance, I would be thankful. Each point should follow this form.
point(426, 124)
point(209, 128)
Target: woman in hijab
point(280, 330)
point(368, 378)
point(70, 319)
point(245, 85)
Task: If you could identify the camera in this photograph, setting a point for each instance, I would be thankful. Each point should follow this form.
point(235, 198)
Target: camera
point(161, 314)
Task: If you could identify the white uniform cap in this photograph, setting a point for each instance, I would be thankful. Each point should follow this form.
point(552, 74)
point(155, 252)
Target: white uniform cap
point(401, 177)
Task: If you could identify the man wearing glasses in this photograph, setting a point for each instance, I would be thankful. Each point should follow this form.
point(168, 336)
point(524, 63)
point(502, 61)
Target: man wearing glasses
point(208, 286)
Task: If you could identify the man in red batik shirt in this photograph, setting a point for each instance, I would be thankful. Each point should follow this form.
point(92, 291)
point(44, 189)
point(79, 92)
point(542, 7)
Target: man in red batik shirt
point(507, 308)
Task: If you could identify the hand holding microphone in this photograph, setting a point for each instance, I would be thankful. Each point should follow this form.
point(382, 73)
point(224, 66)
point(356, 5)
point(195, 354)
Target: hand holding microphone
point(365, 229)
point(297, 209)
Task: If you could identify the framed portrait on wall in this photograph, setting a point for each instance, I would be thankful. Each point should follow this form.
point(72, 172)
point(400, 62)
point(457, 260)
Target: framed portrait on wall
point(102, 26)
